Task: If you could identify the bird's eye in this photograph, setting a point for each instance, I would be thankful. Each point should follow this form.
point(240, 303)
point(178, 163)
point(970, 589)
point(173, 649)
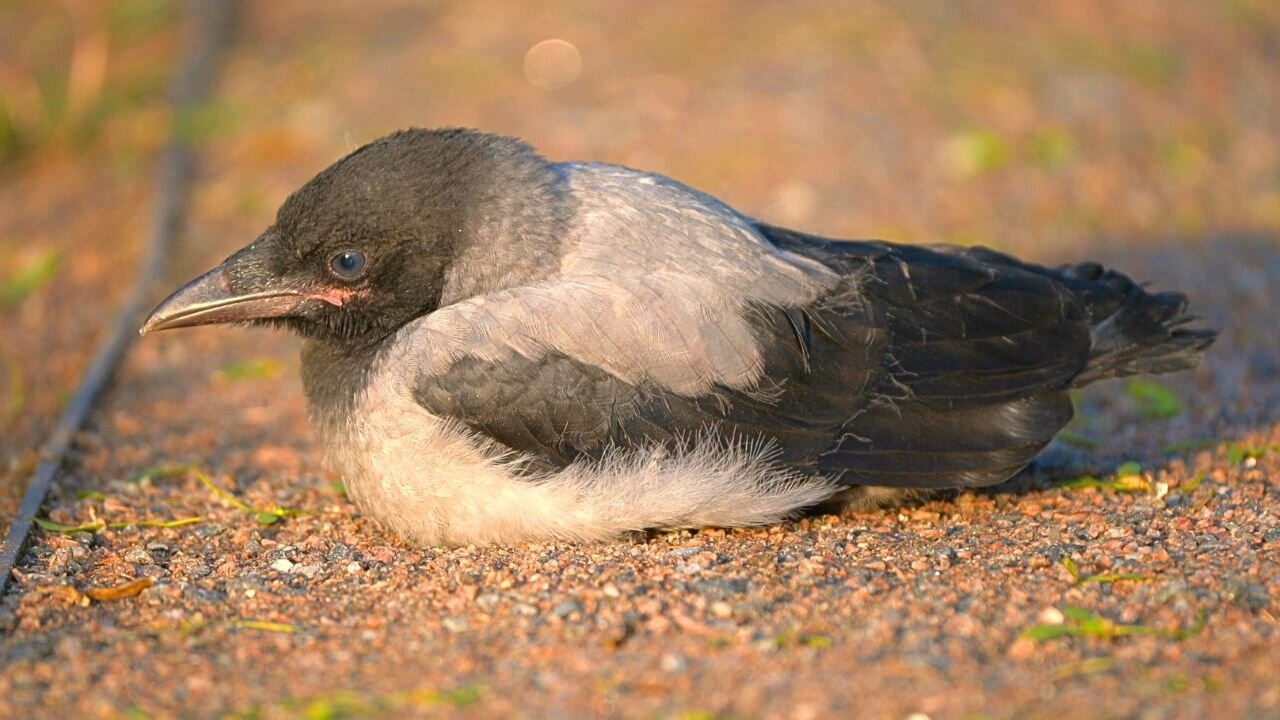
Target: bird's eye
point(347, 265)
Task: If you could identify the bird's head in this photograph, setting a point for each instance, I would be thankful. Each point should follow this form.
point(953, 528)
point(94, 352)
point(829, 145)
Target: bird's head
point(374, 240)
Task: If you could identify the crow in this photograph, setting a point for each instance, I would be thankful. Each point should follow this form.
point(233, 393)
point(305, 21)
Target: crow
point(498, 348)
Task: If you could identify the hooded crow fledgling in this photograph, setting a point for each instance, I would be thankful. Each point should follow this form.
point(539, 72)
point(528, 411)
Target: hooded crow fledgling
point(500, 348)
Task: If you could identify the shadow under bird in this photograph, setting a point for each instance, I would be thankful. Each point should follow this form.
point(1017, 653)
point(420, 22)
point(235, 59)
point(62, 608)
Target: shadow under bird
point(500, 348)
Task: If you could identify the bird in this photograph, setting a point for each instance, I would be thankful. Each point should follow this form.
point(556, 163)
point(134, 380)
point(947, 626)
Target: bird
point(498, 348)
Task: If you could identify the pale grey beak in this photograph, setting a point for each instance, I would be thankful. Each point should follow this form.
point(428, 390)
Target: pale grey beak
point(209, 299)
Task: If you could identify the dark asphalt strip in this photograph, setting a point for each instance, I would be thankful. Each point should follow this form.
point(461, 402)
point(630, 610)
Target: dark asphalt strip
point(210, 25)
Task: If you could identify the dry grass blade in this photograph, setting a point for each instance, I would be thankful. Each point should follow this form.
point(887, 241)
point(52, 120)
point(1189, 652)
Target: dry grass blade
point(347, 703)
point(1100, 578)
point(119, 592)
point(227, 497)
point(52, 526)
point(180, 522)
point(265, 626)
point(270, 516)
point(1107, 578)
point(1079, 622)
point(1088, 666)
point(162, 471)
point(1128, 478)
point(98, 525)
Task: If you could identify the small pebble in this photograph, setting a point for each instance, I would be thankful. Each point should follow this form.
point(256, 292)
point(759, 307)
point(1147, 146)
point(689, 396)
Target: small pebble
point(139, 556)
point(673, 663)
point(1052, 616)
point(566, 608)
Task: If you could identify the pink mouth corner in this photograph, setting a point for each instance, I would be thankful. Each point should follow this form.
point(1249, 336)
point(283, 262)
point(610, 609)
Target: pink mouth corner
point(336, 297)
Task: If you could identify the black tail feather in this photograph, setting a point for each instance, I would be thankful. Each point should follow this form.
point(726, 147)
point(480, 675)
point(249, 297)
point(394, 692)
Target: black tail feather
point(1133, 331)
point(978, 351)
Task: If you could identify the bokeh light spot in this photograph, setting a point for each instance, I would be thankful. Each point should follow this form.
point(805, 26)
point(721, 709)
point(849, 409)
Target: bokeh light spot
point(552, 64)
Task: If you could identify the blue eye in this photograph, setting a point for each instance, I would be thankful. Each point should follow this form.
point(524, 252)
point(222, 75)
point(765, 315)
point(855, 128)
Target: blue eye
point(347, 265)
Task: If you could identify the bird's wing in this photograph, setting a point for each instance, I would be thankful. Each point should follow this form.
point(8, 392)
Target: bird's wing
point(921, 368)
point(569, 369)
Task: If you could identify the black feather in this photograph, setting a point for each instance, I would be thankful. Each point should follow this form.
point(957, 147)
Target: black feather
point(936, 367)
point(930, 367)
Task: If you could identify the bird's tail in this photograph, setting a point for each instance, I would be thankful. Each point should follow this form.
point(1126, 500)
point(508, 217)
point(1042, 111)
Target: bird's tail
point(1133, 331)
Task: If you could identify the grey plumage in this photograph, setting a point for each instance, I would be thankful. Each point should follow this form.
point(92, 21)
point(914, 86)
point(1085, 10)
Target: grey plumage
point(574, 350)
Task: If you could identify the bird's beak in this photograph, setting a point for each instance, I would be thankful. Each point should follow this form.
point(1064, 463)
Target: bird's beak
point(209, 299)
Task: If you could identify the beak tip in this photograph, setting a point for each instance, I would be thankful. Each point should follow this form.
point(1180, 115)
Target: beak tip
point(150, 324)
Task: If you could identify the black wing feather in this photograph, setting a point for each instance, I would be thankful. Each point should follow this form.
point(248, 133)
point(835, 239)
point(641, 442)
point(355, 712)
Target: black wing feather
point(561, 409)
point(931, 367)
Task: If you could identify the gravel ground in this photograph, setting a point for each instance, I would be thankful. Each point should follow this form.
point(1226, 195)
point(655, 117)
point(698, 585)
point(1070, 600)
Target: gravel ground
point(1155, 594)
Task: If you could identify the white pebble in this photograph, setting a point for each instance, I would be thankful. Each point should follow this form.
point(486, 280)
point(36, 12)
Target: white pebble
point(1052, 616)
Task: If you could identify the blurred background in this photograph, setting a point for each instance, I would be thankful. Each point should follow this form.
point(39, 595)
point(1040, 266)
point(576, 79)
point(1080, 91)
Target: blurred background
point(1149, 128)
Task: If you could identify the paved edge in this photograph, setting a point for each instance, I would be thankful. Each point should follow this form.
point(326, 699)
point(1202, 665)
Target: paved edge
point(210, 25)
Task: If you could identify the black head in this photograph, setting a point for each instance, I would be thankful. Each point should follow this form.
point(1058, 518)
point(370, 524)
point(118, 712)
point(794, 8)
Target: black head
point(375, 240)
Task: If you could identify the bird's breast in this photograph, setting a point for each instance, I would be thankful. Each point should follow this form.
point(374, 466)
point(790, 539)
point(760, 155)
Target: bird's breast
point(432, 480)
